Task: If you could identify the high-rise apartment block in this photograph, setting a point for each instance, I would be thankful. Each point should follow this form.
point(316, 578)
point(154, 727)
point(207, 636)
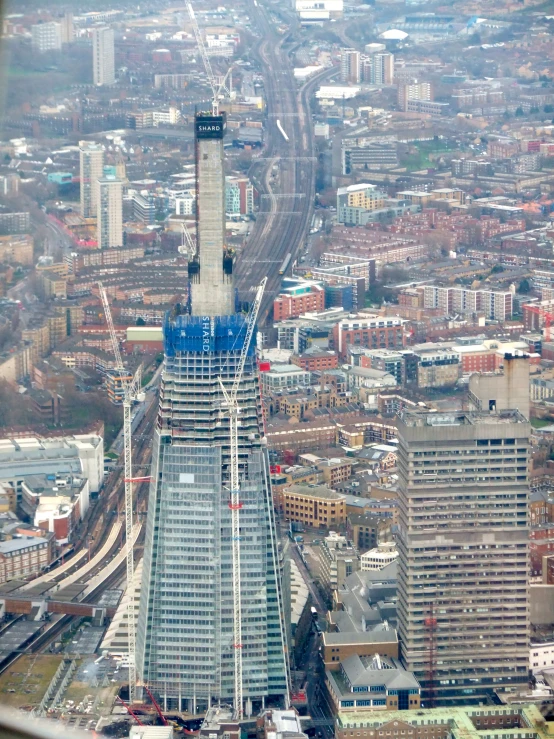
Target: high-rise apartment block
point(110, 212)
point(91, 169)
point(378, 68)
point(375, 69)
point(383, 69)
point(350, 65)
point(103, 56)
point(185, 641)
point(46, 37)
point(413, 90)
point(463, 611)
point(67, 29)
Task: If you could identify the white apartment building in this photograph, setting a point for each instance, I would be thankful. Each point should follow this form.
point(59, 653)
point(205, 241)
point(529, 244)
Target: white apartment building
point(496, 305)
point(91, 169)
point(541, 657)
point(110, 212)
point(281, 376)
point(185, 204)
point(46, 37)
point(103, 56)
point(168, 117)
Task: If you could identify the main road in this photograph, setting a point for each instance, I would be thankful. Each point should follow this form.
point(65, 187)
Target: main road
point(285, 173)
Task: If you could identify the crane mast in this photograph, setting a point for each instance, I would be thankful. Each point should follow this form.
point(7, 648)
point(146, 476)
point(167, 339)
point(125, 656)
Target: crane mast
point(235, 504)
point(131, 389)
point(216, 87)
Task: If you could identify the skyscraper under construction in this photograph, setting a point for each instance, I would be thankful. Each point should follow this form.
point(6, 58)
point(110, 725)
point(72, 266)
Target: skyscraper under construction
point(185, 646)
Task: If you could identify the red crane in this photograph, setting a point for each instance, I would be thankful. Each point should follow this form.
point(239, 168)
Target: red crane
point(544, 314)
point(157, 707)
point(130, 712)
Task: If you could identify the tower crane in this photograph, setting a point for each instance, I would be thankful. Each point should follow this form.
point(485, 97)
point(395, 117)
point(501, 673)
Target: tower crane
point(233, 410)
point(131, 392)
point(187, 246)
point(216, 87)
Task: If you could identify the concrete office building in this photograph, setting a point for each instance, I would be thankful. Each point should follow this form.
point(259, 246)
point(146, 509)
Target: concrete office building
point(185, 649)
point(103, 56)
point(510, 390)
point(339, 558)
point(46, 37)
point(463, 549)
point(91, 169)
point(110, 212)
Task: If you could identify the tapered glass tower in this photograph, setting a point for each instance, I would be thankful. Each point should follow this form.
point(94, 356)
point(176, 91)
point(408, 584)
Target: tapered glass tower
point(185, 649)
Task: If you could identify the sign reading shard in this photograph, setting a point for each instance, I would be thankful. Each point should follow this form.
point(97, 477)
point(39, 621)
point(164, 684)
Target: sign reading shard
point(210, 126)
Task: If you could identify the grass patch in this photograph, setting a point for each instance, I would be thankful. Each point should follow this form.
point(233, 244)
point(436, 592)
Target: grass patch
point(539, 423)
point(421, 159)
point(19, 73)
point(146, 378)
point(29, 676)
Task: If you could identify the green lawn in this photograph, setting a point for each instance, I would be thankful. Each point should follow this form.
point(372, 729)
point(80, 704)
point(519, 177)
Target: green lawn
point(421, 160)
point(539, 423)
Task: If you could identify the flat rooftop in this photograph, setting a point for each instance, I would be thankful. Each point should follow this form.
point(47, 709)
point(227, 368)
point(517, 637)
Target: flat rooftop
point(337, 638)
point(216, 716)
point(315, 491)
point(461, 418)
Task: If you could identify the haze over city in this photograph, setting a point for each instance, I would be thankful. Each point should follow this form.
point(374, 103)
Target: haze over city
point(276, 370)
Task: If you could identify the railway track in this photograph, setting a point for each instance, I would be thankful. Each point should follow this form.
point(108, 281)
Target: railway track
point(284, 226)
point(53, 629)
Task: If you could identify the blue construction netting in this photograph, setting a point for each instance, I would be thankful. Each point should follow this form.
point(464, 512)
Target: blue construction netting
point(205, 334)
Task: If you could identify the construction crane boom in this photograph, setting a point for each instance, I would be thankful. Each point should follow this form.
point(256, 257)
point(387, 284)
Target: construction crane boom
point(157, 707)
point(235, 504)
point(187, 246)
point(119, 366)
point(131, 390)
point(217, 88)
point(129, 711)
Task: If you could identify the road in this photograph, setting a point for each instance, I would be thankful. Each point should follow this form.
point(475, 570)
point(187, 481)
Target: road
point(55, 238)
point(286, 203)
point(311, 658)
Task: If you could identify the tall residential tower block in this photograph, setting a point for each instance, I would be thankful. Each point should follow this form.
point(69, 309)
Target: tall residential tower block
point(91, 169)
point(103, 56)
point(463, 608)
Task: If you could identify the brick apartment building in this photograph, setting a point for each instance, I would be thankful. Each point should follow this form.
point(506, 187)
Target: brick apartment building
point(299, 299)
point(316, 361)
point(375, 332)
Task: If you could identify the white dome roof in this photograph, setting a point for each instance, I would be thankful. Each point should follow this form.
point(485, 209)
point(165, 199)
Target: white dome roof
point(394, 35)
